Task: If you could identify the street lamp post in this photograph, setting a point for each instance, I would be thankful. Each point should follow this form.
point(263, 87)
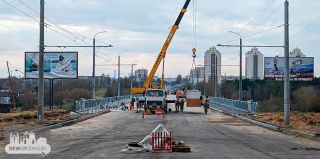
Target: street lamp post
point(119, 85)
point(131, 80)
point(94, 65)
point(240, 78)
point(119, 64)
point(216, 76)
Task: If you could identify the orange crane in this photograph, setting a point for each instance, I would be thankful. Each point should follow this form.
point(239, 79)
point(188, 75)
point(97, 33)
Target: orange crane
point(162, 53)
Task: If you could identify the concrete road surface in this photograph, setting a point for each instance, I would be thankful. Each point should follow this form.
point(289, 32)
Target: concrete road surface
point(212, 136)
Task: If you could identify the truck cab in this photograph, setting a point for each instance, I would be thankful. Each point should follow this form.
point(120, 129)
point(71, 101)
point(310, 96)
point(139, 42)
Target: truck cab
point(155, 98)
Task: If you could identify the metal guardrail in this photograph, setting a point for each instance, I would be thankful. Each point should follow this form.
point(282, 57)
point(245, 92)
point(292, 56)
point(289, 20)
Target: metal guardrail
point(246, 106)
point(95, 105)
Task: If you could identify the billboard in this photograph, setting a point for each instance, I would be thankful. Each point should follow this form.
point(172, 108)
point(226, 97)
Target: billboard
point(300, 68)
point(57, 65)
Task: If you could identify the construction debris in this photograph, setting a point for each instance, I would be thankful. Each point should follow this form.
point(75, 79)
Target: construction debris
point(146, 142)
point(130, 150)
point(160, 140)
point(134, 144)
point(180, 146)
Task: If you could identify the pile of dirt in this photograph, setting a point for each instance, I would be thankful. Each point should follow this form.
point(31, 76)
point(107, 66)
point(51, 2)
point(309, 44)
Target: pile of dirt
point(56, 115)
point(31, 115)
point(12, 122)
point(29, 118)
point(303, 122)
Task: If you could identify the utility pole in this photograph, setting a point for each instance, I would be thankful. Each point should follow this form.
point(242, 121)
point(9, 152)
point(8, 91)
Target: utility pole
point(40, 65)
point(94, 65)
point(119, 65)
point(94, 70)
point(51, 93)
point(215, 76)
point(131, 79)
point(119, 76)
point(240, 75)
point(11, 86)
point(240, 79)
point(286, 66)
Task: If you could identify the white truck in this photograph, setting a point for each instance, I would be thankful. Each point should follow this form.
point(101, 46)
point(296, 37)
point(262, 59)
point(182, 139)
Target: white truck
point(155, 98)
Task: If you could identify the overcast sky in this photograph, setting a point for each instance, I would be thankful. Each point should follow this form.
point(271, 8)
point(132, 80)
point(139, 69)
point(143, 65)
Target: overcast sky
point(140, 27)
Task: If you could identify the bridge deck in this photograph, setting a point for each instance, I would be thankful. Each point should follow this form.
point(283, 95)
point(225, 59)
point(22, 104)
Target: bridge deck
point(210, 136)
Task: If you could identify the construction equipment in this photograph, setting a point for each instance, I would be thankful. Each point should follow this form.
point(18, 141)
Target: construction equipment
point(11, 87)
point(155, 98)
point(193, 98)
point(162, 53)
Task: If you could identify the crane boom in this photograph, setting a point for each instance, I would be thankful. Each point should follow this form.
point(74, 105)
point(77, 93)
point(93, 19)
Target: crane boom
point(163, 51)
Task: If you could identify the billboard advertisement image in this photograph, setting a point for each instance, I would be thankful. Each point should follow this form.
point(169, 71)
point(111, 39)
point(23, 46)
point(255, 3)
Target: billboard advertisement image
point(300, 68)
point(57, 65)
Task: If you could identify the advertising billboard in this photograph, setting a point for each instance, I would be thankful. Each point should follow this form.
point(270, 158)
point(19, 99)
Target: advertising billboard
point(300, 68)
point(57, 65)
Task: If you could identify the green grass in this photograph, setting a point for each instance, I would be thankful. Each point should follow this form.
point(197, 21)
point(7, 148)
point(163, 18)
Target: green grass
point(69, 107)
point(100, 93)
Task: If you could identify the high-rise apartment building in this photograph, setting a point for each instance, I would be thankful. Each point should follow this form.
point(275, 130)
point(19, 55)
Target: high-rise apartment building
point(254, 64)
point(212, 65)
point(296, 53)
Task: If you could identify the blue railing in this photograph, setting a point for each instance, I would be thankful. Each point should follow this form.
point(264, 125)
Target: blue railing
point(246, 106)
point(88, 104)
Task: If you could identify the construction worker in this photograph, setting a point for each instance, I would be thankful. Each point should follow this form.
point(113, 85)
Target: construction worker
point(138, 106)
point(177, 104)
point(201, 99)
point(206, 106)
point(181, 103)
point(132, 104)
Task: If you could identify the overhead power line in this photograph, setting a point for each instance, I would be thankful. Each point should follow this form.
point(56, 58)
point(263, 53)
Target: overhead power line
point(15, 67)
point(53, 24)
point(266, 18)
point(306, 26)
point(254, 18)
point(111, 59)
point(107, 59)
point(9, 28)
point(26, 14)
point(257, 33)
point(54, 27)
point(260, 32)
point(21, 11)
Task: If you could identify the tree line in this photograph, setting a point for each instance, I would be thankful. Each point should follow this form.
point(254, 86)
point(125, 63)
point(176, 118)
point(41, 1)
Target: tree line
point(305, 95)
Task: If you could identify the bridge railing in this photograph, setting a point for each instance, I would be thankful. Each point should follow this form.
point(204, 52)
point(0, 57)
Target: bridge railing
point(246, 106)
point(95, 105)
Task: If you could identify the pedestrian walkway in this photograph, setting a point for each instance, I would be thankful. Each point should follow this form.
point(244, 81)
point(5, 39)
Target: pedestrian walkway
point(228, 110)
